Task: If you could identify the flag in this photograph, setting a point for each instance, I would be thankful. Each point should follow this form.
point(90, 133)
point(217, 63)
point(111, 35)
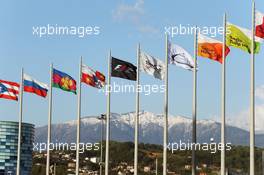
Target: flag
point(152, 66)
point(9, 90)
point(63, 81)
point(180, 57)
point(93, 78)
point(259, 24)
point(123, 69)
point(241, 38)
point(33, 86)
point(211, 48)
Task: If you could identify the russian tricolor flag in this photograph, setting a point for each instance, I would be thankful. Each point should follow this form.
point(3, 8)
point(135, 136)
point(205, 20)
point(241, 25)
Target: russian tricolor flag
point(33, 86)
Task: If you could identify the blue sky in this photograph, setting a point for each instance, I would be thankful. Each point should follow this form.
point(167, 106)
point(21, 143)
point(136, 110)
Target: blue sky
point(122, 24)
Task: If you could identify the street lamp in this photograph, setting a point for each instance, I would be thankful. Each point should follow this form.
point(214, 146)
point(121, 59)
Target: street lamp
point(101, 164)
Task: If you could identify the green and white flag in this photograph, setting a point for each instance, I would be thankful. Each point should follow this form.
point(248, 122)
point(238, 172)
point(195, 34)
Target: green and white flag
point(241, 38)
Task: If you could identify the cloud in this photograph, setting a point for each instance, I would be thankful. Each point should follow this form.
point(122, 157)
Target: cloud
point(260, 92)
point(129, 12)
point(241, 119)
point(135, 14)
point(148, 29)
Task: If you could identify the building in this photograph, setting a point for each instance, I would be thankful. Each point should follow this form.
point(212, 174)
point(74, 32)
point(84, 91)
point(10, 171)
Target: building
point(147, 169)
point(95, 159)
point(8, 147)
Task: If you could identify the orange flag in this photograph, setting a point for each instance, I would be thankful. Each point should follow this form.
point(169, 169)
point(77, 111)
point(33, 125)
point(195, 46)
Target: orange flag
point(211, 48)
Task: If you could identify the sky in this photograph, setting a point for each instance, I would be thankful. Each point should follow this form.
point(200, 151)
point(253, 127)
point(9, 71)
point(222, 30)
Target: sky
point(122, 25)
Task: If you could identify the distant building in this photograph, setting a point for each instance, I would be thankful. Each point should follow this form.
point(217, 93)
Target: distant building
point(146, 169)
point(71, 168)
point(8, 147)
point(95, 159)
point(187, 167)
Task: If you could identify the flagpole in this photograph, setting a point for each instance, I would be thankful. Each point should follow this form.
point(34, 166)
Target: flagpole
point(20, 121)
point(137, 114)
point(223, 117)
point(78, 119)
point(108, 116)
point(49, 121)
point(252, 96)
point(194, 112)
point(165, 138)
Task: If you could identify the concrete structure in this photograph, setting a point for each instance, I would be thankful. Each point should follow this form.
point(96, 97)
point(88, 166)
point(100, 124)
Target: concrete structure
point(8, 147)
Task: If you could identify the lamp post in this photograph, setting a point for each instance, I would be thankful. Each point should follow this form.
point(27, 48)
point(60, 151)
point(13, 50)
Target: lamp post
point(102, 118)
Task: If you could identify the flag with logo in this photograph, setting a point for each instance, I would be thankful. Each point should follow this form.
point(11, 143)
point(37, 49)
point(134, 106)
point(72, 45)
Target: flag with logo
point(93, 78)
point(241, 38)
point(180, 57)
point(9, 90)
point(63, 81)
point(123, 69)
point(32, 85)
point(152, 66)
point(211, 48)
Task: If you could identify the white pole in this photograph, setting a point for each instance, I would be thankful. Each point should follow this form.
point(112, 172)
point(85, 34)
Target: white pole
point(262, 162)
point(252, 97)
point(49, 121)
point(194, 112)
point(223, 120)
point(137, 114)
point(165, 138)
point(78, 119)
point(108, 115)
point(20, 122)
point(157, 165)
point(102, 118)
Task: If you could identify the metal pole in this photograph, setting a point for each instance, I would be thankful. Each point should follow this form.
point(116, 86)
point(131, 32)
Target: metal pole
point(262, 162)
point(223, 120)
point(194, 112)
point(55, 169)
point(108, 116)
point(165, 139)
point(102, 118)
point(137, 114)
point(20, 122)
point(252, 97)
point(49, 121)
point(156, 165)
point(78, 120)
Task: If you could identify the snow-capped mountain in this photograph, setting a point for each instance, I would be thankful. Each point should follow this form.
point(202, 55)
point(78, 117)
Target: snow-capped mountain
point(151, 130)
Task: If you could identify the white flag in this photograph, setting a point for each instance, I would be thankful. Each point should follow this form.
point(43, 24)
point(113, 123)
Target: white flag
point(180, 57)
point(152, 66)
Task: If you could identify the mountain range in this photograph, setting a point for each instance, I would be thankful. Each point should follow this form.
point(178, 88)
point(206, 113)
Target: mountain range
point(151, 130)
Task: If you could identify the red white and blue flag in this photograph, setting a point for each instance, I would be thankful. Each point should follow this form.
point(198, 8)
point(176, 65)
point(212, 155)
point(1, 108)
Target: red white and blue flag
point(9, 90)
point(33, 86)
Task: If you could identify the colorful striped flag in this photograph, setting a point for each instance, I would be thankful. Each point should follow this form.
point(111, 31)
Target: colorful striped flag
point(9, 90)
point(31, 85)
